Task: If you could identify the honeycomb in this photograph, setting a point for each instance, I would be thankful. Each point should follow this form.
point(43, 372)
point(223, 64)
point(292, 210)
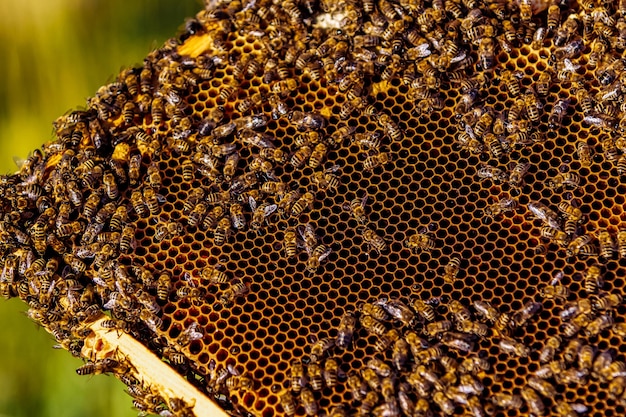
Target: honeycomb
point(379, 208)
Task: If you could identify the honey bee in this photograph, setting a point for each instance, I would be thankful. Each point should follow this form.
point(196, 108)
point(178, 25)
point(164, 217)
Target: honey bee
point(234, 291)
point(565, 409)
point(307, 138)
point(533, 106)
point(471, 327)
point(607, 245)
point(425, 310)
point(544, 83)
point(74, 262)
point(338, 136)
point(486, 310)
point(542, 386)
point(297, 377)
point(290, 243)
point(239, 382)
point(320, 348)
point(559, 111)
point(98, 367)
point(68, 229)
point(345, 330)
point(167, 230)
point(214, 275)
point(318, 155)
point(529, 310)
point(550, 348)
point(516, 177)
point(598, 325)
point(307, 121)
point(299, 158)
point(357, 387)
point(251, 138)
point(197, 214)
point(368, 140)
point(545, 214)
point(138, 204)
point(460, 312)
point(621, 166)
point(507, 401)
point(110, 186)
point(607, 302)
point(390, 127)
point(573, 213)
point(273, 154)
point(581, 246)
point(444, 404)
point(76, 196)
point(374, 161)
point(575, 308)
point(128, 112)
point(493, 173)
point(89, 210)
point(213, 217)
point(400, 353)
point(284, 87)
point(221, 232)
point(164, 286)
point(611, 152)
point(237, 217)
point(230, 166)
point(512, 346)
point(373, 241)
point(379, 366)
point(134, 167)
point(304, 202)
point(421, 241)
point(151, 200)
point(593, 279)
point(372, 325)
point(315, 376)
point(326, 180)
point(512, 81)
point(585, 101)
point(501, 206)
point(459, 341)
point(375, 310)
point(261, 213)
point(474, 365)
point(316, 257)
point(288, 403)
point(437, 327)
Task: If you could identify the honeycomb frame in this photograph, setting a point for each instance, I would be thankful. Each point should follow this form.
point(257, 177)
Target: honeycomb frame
point(369, 175)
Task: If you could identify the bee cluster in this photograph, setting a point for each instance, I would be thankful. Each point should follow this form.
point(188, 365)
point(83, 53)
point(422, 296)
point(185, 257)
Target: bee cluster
point(429, 358)
point(272, 169)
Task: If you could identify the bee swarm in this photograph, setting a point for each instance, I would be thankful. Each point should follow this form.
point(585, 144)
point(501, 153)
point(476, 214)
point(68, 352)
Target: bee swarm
point(346, 208)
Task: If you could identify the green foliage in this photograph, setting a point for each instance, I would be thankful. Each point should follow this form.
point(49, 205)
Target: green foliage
point(55, 54)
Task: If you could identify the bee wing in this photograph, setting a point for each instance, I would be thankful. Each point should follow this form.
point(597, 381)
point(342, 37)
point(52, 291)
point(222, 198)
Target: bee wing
point(187, 278)
point(557, 278)
point(252, 203)
point(233, 371)
point(332, 169)
point(109, 305)
point(459, 57)
point(423, 50)
point(269, 209)
point(325, 254)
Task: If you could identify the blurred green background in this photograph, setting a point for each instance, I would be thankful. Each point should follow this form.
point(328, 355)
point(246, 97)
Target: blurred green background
point(53, 55)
